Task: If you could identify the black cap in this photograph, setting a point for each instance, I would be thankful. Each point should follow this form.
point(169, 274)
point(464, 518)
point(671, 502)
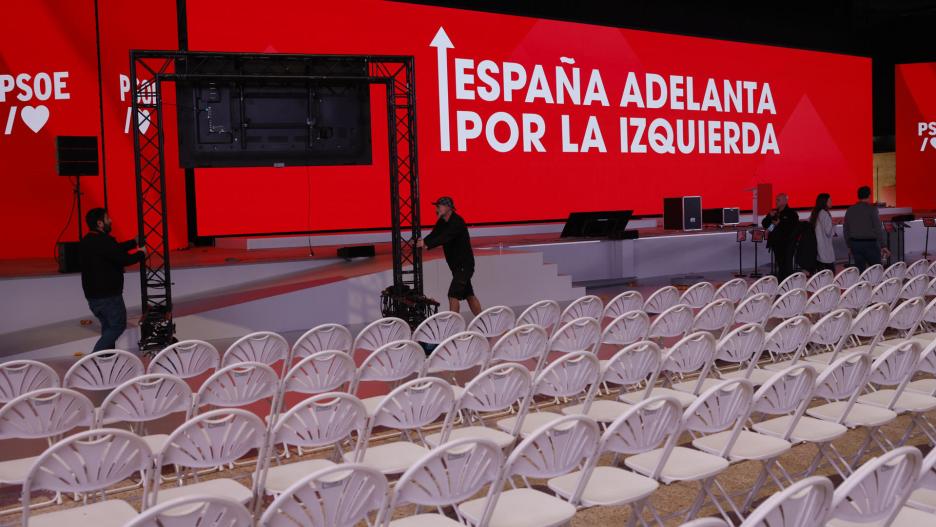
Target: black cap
point(445, 200)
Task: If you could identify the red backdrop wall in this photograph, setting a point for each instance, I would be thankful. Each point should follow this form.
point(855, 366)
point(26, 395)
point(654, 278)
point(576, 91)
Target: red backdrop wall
point(916, 135)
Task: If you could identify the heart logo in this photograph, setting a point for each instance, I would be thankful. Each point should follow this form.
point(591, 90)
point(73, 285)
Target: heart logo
point(143, 121)
point(933, 142)
point(35, 117)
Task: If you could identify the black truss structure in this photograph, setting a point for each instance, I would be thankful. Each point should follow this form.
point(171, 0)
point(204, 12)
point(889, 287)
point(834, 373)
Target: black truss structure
point(151, 69)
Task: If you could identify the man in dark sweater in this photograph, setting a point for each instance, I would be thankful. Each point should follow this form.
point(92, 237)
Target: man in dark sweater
point(781, 224)
point(451, 233)
point(102, 276)
point(864, 233)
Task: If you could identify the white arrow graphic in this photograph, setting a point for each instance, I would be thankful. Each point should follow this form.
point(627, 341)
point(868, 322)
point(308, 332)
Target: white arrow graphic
point(442, 43)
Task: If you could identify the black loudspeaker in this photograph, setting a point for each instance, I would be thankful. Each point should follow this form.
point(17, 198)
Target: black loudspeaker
point(683, 213)
point(356, 251)
point(604, 224)
point(68, 257)
point(76, 155)
point(722, 216)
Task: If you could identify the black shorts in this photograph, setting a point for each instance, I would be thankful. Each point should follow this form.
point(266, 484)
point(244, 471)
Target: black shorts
point(461, 288)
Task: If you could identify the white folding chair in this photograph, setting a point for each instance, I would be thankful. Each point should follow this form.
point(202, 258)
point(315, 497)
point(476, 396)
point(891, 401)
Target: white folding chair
point(827, 334)
point(874, 274)
point(931, 288)
point(887, 292)
point(626, 329)
point(407, 409)
point(823, 300)
point(742, 347)
point(581, 334)
point(264, 347)
point(22, 376)
point(336, 496)
point(733, 290)
point(446, 476)
point(493, 391)
point(237, 385)
point(324, 337)
point(905, 319)
point(544, 313)
point(320, 372)
point(493, 321)
point(203, 511)
point(847, 277)
point(324, 420)
point(573, 375)
point(623, 303)
point(661, 300)
point(672, 323)
point(876, 492)
point(555, 449)
point(914, 287)
point(186, 359)
point(869, 324)
point(805, 503)
point(923, 496)
point(379, 333)
point(786, 340)
point(714, 317)
point(460, 352)
point(895, 270)
point(588, 306)
point(103, 370)
point(209, 440)
point(694, 353)
point(856, 297)
point(767, 285)
point(439, 327)
point(917, 268)
point(789, 305)
point(390, 363)
point(819, 280)
point(753, 309)
point(522, 344)
point(927, 365)
point(931, 271)
point(86, 463)
point(796, 280)
point(698, 295)
point(144, 399)
point(925, 332)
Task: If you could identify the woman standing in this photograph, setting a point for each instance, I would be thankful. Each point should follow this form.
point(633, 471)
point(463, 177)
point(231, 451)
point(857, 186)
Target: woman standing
point(821, 221)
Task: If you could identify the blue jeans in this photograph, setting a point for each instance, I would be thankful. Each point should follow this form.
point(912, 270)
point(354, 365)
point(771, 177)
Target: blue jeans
point(112, 313)
point(866, 253)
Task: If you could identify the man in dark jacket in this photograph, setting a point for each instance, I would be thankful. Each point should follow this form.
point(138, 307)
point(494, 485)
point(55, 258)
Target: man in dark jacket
point(781, 225)
point(451, 233)
point(102, 276)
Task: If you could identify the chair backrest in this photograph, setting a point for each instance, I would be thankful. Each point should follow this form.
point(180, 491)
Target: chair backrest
point(742, 344)
point(575, 373)
point(931, 271)
point(264, 347)
point(857, 296)
point(643, 427)
point(844, 378)
point(146, 398)
point(589, 306)
point(497, 388)
point(493, 321)
point(896, 270)
point(46, 412)
point(714, 316)
point(203, 511)
point(691, 354)
point(414, 404)
point(719, 408)
point(878, 489)
point(927, 363)
point(103, 370)
point(379, 333)
point(337, 496)
point(929, 312)
point(237, 385)
point(626, 328)
point(320, 372)
point(439, 327)
point(917, 268)
point(906, 316)
point(931, 288)
point(831, 329)
point(796, 280)
point(522, 343)
point(767, 284)
point(393, 361)
point(874, 274)
point(324, 337)
point(734, 290)
point(447, 475)
point(787, 391)
point(698, 295)
point(21, 376)
point(895, 366)
point(634, 364)
point(674, 322)
point(805, 503)
point(847, 277)
point(753, 309)
point(213, 439)
point(823, 300)
point(887, 291)
point(819, 280)
point(788, 337)
point(790, 304)
point(623, 303)
point(186, 359)
point(324, 419)
point(914, 287)
point(579, 334)
point(928, 472)
point(544, 313)
point(87, 462)
point(661, 300)
point(459, 352)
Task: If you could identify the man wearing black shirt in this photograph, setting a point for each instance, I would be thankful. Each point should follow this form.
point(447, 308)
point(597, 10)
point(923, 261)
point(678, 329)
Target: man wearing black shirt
point(451, 233)
point(781, 224)
point(102, 276)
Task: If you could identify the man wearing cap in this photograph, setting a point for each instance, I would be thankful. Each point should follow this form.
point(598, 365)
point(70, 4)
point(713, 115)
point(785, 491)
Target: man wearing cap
point(451, 233)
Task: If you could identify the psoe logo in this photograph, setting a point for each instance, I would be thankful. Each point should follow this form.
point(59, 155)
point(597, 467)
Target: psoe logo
point(927, 133)
point(27, 88)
